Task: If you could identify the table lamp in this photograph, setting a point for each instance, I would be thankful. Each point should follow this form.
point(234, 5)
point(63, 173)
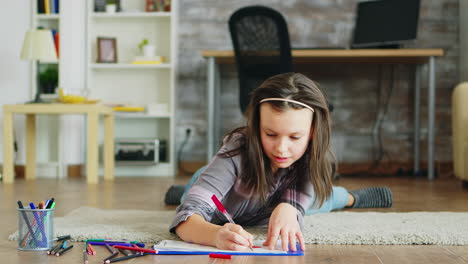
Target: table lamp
point(38, 46)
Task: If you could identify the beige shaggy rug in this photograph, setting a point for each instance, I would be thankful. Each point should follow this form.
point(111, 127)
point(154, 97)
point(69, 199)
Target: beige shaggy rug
point(336, 228)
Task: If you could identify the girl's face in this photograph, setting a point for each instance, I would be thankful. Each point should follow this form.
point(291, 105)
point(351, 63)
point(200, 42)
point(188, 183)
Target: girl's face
point(284, 135)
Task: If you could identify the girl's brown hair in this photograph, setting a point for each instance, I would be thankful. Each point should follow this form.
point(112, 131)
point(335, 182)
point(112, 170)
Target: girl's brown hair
point(315, 165)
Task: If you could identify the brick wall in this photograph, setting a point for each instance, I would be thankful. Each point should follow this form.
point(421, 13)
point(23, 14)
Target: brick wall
point(352, 89)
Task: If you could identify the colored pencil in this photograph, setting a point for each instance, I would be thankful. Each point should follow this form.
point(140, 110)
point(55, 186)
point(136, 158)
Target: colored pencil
point(60, 238)
point(137, 249)
point(126, 257)
point(114, 243)
point(56, 247)
point(85, 253)
point(50, 202)
point(111, 250)
point(106, 260)
point(93, 252)
point(125, 252)
point(63, 250)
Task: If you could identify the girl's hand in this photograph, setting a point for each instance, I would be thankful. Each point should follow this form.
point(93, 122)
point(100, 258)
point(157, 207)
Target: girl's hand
point(283, 222)
point(233, 237)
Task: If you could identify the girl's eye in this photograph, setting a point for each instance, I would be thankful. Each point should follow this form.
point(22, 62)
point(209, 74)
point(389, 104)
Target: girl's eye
point(295, 138)
point(270, 135)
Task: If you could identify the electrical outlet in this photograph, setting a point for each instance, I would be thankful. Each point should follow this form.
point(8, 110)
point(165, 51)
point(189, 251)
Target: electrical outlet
point(187, 131)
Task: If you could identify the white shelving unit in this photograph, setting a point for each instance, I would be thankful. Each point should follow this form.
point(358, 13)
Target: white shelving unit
point(136, 84)
point(46, 21)
point(50, 162)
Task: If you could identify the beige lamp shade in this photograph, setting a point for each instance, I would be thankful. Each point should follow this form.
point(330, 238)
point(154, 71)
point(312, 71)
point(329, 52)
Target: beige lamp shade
point(38, 45)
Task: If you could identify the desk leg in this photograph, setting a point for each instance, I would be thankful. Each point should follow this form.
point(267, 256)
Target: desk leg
point(109, 147)
point(92, 148)
point(30, 146)
point(431, 119)
point(210, 104)
point(416, 129)
point(217, 114)
point(8, 149)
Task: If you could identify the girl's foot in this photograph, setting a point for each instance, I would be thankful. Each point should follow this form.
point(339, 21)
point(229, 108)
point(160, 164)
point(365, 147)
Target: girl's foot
point(373, 197)
point(174, 194)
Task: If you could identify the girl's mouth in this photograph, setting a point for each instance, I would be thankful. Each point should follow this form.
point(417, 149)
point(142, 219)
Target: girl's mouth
point(280, 159)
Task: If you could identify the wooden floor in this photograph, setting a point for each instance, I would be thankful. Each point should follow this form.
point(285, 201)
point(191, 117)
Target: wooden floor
point(410, 194)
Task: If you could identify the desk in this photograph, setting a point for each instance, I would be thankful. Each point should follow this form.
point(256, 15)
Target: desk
point(356, 56)
point(92, 112)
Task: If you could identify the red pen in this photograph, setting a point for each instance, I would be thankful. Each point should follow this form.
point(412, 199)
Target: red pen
point(221, 208)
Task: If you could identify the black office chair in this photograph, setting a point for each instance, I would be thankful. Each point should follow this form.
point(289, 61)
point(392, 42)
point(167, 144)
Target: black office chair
point(261, 45)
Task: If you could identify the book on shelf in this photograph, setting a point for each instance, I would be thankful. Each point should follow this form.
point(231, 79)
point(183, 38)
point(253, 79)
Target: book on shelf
point(148, 60)
point(56, 6)
point(56, 40)
point(40, 7)
point(51, 6)
point(47, 6)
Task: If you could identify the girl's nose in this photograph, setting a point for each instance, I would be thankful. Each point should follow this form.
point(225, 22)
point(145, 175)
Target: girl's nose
point(282, 146)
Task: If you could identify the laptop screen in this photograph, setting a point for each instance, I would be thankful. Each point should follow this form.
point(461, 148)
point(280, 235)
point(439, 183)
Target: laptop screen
point(385, 22)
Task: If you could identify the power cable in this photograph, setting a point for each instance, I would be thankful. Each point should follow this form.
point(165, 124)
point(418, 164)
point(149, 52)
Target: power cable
point(188, 131)
point(382, 110)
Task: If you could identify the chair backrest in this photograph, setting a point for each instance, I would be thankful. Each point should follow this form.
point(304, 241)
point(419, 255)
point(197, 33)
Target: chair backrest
point(261, 45)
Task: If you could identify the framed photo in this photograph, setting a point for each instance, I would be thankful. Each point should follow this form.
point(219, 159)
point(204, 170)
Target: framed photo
point(106, 50)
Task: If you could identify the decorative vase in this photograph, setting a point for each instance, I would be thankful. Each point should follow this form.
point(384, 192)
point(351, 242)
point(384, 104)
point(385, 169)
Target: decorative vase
point(111, 8)
point(149, 51)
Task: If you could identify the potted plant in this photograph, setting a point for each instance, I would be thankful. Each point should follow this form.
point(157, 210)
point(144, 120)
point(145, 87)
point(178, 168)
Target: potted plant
point(48, 80)
point(146, 49)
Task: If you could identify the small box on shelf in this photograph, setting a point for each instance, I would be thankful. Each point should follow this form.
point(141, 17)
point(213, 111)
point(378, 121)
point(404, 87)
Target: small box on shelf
point(128, 108)
point(158, 5)
point(135, 151)
point(157, 109)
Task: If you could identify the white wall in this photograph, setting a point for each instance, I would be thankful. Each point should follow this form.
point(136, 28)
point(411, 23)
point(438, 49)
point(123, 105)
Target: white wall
point(15, 80)
point(72, 75)
point(14, 73)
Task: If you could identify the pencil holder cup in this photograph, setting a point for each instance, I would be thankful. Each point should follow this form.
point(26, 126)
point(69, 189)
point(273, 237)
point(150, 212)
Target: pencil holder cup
point(35, 229)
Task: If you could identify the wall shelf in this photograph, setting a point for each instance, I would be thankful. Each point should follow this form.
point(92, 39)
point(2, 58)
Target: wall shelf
point(130, 66)
point(132, 15)
point(141, 115)
point(48, 16)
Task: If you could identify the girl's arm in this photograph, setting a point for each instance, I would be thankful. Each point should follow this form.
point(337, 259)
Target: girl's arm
point(230, 236)
point(190, 223)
